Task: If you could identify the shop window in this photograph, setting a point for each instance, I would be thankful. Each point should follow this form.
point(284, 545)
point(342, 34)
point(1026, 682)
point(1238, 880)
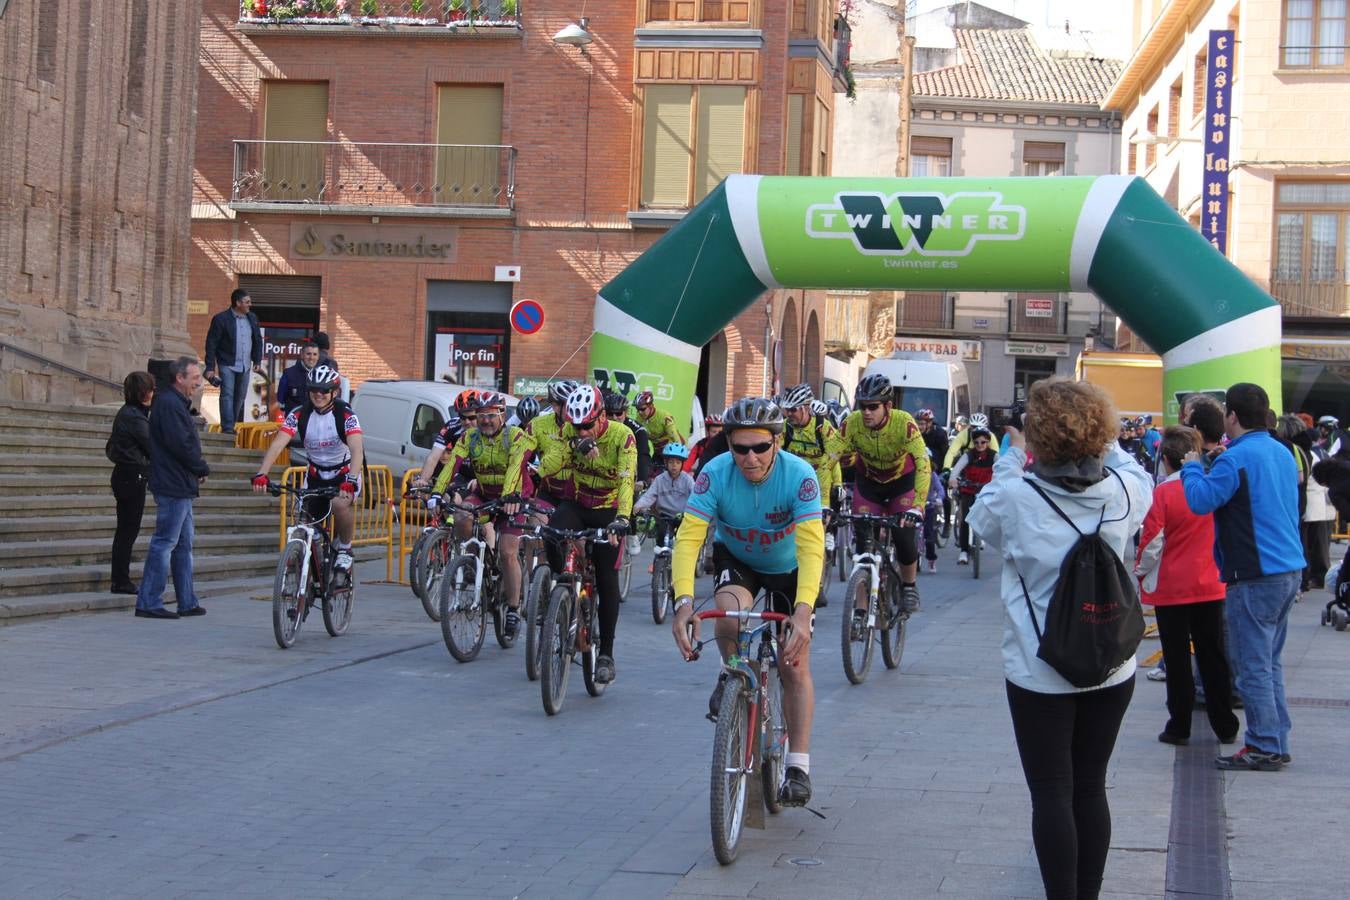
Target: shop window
point(1042, 158)
point(930, 156)
point(427, 421)
point(1029, 370)
point(469, 162)
point(698, 11)
point(1314, 34)
point(1036, 314)
point(295, 125)
point(693, 137)
point(1312, 246)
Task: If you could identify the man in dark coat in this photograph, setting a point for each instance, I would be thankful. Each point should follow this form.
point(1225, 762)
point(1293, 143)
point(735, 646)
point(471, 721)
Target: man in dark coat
point(176, 472)
point(291, 392)
point(234, 348)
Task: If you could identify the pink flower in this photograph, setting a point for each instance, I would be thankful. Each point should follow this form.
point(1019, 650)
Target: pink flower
point(341, 7)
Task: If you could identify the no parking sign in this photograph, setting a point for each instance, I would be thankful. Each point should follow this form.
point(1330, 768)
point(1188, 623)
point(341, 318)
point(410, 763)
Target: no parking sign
point(527, 316)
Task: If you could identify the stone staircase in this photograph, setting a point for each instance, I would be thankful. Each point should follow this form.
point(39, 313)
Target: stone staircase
point(59, 515)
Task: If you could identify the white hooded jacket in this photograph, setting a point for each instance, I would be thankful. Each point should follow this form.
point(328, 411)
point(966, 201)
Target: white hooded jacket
point(1011, 516)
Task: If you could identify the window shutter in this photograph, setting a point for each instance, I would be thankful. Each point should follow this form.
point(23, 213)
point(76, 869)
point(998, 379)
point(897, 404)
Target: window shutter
point(1042, 151)
point(295, 112)
point(821, 163)
point(924, 145)
point(468, 114)
point(794, 135)
point(665, 145)
point(721, 136)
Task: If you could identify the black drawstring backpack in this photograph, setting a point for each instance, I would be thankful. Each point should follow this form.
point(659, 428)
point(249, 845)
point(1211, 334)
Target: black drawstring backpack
point(1094, 621)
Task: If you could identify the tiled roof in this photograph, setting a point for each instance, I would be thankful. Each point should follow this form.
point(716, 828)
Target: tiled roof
point(1007, 64)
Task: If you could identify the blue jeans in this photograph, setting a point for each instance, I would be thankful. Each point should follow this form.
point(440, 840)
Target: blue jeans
point(1258, 617)
point(233, 392)
point(170, 551)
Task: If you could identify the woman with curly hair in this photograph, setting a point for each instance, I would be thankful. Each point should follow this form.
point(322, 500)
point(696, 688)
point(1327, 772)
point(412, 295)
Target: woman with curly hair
point(1065, 734)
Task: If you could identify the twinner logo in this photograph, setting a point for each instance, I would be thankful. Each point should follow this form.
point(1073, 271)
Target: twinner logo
point(926, 224)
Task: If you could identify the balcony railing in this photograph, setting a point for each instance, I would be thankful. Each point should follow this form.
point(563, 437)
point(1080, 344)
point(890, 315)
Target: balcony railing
point(1301, 297)
point(340, 174)
point(925, 310)
point(436, 13)
point(1022, 320)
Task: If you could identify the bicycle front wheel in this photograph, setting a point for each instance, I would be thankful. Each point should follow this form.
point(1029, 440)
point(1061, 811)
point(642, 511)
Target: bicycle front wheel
point(660, 589)
point(557, 650)
point(625, 575)
point(729, 788)
point(591, 655)
point(773, 753)
point(857, 633)
point(536, 605)
point(893, 635)
point(463, 616)
point(288, 594)
point(843, 543)
point(436, 551)
point(337, 609)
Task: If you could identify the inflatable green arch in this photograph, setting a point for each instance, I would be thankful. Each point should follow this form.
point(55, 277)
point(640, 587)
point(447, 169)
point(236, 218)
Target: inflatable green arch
point(1112, 235)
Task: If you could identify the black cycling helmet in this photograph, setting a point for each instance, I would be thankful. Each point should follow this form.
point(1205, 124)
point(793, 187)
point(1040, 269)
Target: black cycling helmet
point(527, 409)
point(753, 412)
point(323, 378)
point(616, 404)
point(838, 412)
point(559, 391)
point(874, 389)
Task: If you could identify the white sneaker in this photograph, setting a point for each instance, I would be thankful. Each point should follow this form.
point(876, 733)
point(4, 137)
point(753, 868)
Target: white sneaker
point(634, 545)
point(829, 542)
point(343, 563)
point(963, 559)
point(1157, 673)
point(932, 567)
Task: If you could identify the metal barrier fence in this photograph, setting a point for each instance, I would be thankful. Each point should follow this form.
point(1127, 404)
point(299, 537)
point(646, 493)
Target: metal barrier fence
point(374, 510)
point(254, 436)
point(412, 518)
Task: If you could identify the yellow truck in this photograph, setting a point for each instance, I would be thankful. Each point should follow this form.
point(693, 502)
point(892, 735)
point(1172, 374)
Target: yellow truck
point(1134, 380)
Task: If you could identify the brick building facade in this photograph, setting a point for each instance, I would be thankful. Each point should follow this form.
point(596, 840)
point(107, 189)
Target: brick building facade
point(97, 108)
point(400, 184)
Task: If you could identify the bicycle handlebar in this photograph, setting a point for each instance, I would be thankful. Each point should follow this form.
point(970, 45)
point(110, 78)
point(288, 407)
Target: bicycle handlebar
point(276, 490)
point(897, 521)
point(742, 614)
point(583, 534)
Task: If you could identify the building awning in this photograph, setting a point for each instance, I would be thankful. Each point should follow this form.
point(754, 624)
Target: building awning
point(1316, 349)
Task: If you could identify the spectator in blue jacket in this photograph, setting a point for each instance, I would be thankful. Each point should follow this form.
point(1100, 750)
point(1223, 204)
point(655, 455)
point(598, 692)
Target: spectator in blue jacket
point(234, 348)
point(1252, 490)
point(176, 472)
point(291, 392)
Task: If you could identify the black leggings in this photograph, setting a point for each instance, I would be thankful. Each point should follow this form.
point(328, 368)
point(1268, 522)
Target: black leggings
point(128, 486)
point(571, 516)
point(1065, 741)
point(1201, 625)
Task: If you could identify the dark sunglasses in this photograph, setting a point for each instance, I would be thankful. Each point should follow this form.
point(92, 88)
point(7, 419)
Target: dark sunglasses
point(587, 426)
point(747, 449)
point(872, 407)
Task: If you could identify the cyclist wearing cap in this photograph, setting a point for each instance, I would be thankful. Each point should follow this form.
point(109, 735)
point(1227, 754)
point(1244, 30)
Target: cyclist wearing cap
point(546, 430)
point(496, 452)
point(973, 470)
point(768, 536)
point(660, 425)
point(466, 413)
point(331, 436)
point(601, 457)
point(669, 491)
point(960, 442)
point(808, 434)
point(891, 473)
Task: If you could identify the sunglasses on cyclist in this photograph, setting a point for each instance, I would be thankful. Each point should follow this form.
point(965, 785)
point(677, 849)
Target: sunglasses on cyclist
point(747, 449)
point(872, 407)
point(585, 426)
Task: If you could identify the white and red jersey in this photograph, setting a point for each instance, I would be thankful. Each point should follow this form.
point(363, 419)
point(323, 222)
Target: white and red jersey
point(323, 442)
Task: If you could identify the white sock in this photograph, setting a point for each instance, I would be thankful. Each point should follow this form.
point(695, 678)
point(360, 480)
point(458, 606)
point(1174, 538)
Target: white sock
point(800, 760)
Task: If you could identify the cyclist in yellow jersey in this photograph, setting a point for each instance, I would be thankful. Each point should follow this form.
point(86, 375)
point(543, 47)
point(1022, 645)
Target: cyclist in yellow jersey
point(546, 429)
point(808, 434)
point(602, 458)
point(768, 535)
point(891, 474)
point(660, 425)
point(497, 453)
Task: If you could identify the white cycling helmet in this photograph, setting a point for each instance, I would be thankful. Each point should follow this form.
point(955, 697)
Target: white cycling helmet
point(818, 408)
point(797, 395)
point(979, 420)
point(584, 405)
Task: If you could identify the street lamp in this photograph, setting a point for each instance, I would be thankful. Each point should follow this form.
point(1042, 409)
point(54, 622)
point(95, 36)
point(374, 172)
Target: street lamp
point(574, 34)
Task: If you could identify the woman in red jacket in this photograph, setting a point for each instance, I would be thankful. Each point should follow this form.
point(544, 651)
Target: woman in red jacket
point(1179, 578)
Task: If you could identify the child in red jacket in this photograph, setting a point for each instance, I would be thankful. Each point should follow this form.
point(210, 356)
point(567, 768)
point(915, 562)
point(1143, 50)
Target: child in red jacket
point(1179, 578)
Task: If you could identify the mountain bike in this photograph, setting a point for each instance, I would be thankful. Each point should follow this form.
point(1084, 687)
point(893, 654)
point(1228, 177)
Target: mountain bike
point(472, 588)
point(638, 536)
point(972, 539)
point(843, 533)
point(572, 620)
point(751, 741)
point(874, 587)
point(663, 594)
point(307, 573)
point(431, 553)
point(536, 580)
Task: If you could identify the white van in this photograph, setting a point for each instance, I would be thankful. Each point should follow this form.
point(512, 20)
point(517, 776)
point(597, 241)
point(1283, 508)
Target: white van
point(399, 419)
point(926, 384)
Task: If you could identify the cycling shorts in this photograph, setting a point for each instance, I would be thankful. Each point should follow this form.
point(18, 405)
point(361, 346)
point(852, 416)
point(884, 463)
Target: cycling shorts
point(516, 525)
point(317, 507)
point(782, 588)
point(878, 498)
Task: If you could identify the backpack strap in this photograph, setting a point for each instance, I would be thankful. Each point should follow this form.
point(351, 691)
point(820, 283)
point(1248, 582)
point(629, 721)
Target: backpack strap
point(1046, 497)
point(1026, 595)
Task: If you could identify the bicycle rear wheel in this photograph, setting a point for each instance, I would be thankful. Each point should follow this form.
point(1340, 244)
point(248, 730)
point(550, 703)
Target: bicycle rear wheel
point(463, 615)
point(288, 595)
point(893, 635)
point(943, 534)
point(625, 574)
point(497, 592)
point(843, 544)
point(974, 554)
point(436, 551)
point(591, 655)
point(536, 605)
point(337, 609)
point(415, 564)
point(557, 650)
point(660, 589)
point(730, 782)
point(856, 642)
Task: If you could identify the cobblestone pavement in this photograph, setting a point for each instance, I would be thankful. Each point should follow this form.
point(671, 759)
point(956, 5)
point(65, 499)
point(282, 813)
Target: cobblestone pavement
point(193, 758)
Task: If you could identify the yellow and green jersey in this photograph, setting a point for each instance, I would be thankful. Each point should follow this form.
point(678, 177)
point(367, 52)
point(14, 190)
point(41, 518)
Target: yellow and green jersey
point(498, 462)
point(605, 482)
point(661, 429)
point(811, 442)
point(887, 453)
point(546, 431)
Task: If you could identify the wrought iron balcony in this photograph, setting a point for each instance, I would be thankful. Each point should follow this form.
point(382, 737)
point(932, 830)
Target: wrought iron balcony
point(330, 13)
point(1327, 295)
point(408, 178)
